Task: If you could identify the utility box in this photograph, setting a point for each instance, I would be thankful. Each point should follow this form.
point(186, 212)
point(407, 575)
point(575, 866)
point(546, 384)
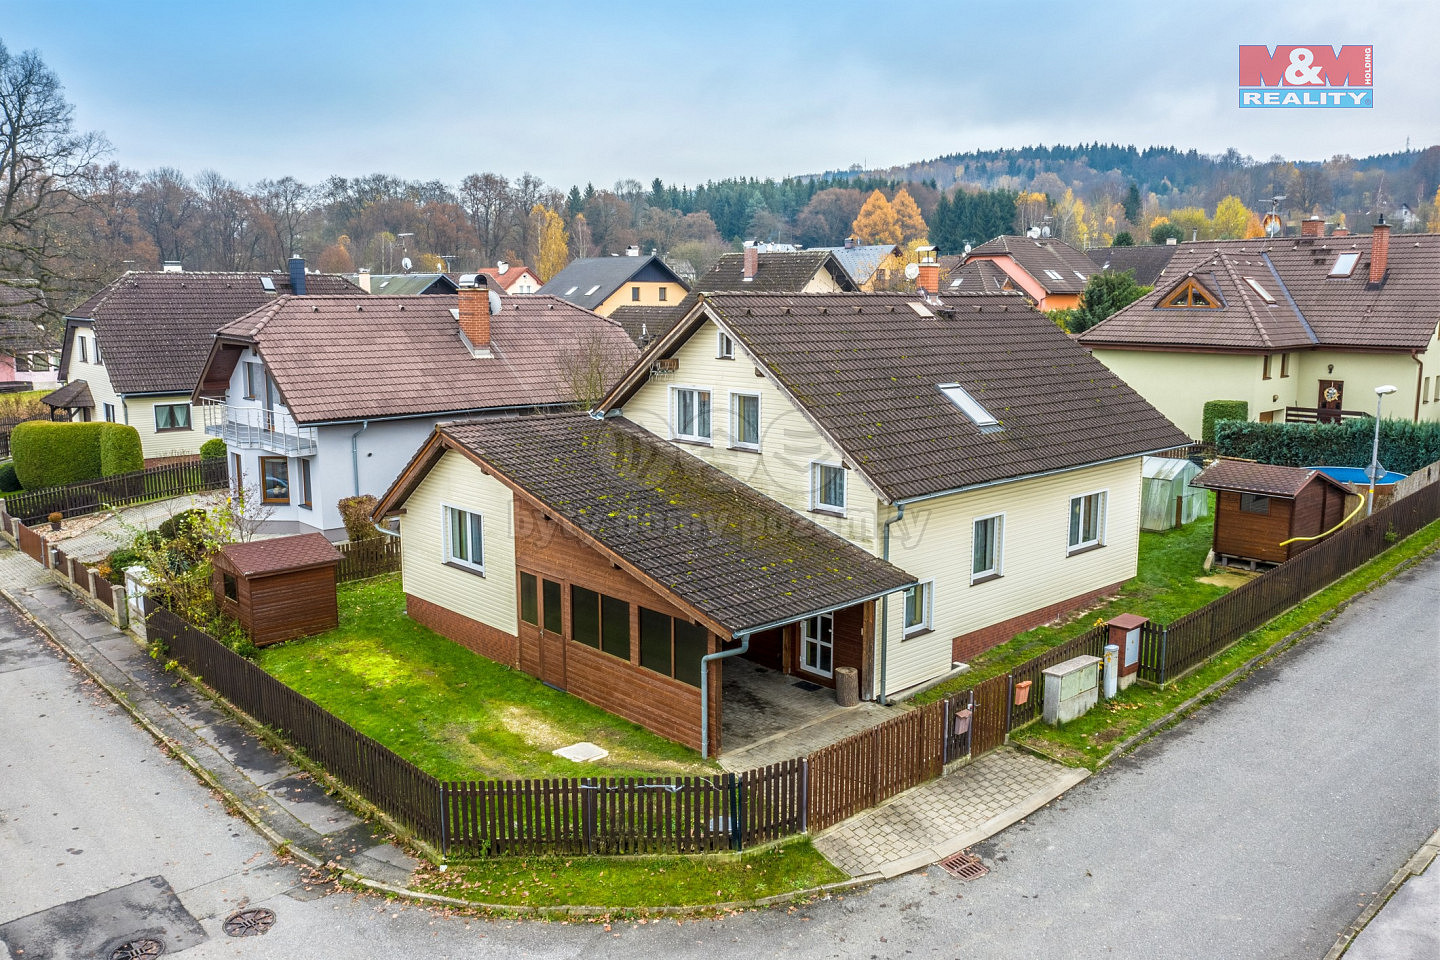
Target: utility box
point(1071, 688)
point(1125, 634)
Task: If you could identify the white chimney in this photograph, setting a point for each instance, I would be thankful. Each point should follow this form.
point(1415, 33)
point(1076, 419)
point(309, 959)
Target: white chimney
point(501, 266)
point(633, 250)
point(362, 279)
point(172, 266)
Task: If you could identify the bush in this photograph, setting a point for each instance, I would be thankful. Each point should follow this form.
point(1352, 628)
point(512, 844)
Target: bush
point(9, 482)
point(1221, 410)
point(355, 512)
point(54, 454)
point(1123, 239)
point(180, 524)
point(115, 564)
point(1404, 446)
point(212, 449)
point(120, 450)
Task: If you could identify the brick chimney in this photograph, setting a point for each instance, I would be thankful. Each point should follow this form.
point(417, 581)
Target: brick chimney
point(1340, 232)
point(475, 313)
point(1312, 227)
point(752, 263)
point(929, 276)
point(1379, 250)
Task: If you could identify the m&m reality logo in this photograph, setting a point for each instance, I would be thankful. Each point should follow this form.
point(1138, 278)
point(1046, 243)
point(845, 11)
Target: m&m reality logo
point(1316, 75)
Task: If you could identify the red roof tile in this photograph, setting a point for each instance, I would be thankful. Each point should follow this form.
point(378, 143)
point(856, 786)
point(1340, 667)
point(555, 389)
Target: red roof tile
point(281, 554)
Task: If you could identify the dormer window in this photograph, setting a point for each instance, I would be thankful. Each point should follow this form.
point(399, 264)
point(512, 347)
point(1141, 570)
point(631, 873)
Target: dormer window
point(1344, 265)
point(1190, 294)
point(971, 407)
point(1261, 291)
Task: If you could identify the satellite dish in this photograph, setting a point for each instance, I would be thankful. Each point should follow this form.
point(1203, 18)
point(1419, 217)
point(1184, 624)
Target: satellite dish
point(405, 264)
point(912, 270)
point(494, 303)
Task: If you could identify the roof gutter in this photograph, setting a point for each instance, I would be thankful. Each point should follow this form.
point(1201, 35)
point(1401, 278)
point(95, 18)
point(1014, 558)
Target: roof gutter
point(447, 414)
point(705, 662)
point(885, 606)
point(1027, 476)
point(822, 611)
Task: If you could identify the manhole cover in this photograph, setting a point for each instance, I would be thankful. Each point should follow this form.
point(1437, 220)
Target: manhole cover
point(965, 866)
point(249, 923)
point(140, 947)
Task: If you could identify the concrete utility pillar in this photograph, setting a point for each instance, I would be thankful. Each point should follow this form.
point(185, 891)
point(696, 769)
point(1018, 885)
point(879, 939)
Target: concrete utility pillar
point(1125, 634)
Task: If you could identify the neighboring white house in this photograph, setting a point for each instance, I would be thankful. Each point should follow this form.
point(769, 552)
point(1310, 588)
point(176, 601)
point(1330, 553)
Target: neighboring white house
point(322, 398)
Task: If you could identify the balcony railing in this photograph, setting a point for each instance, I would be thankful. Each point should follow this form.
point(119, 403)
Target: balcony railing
point(255, 427)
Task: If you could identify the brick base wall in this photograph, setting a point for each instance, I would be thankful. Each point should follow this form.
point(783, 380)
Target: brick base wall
point(969, 645)
point(471, 634)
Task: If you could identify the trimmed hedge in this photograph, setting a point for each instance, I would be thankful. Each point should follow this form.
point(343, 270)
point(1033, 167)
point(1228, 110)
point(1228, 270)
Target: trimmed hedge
point(1221, 410)
point(53, 454)
point(1404, 446)
point(355, 514)
point(212, 449)
point(9, 482)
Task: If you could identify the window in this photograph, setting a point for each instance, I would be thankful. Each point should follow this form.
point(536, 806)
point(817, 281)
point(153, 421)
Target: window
point(1426, 398)
point(275, 479)
point(599, 621)
point(724, 346)
point(231, 588)
point(692, 414)
point(254, 379)
point(571, 291)
point(986, 548)
point(109, 413)
point(305, 484)
point(1087, 522)
point(1054, 275)
point(663, 293)
point(817, 644)
point(585, 616)
point(917, 608)
point(971, 407)
point(1254, 503)
point(529, 599)
point(591, 291)
point(550, 594)
point(827, 487)
point(1344, 265)
point(1190, 294)
point(1284, 365)
point(172, 416)
point(635, 294)
point(464, 539)
point(672, 647)
point(745, 421)
point(1265, 368)
point(615, 627)
point(1263, 293)
point(1079, 276)
point(84, 351)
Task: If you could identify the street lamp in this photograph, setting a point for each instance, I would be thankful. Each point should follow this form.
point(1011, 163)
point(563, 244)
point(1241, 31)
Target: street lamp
point(1380, 394)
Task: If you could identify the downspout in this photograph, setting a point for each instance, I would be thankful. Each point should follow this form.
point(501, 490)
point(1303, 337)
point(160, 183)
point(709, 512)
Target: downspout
point(355, 453)
point(705, 662)
point(885, 604)
point(1419, 376)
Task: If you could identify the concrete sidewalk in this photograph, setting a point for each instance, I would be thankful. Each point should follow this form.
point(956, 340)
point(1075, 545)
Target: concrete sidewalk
point(281, 801)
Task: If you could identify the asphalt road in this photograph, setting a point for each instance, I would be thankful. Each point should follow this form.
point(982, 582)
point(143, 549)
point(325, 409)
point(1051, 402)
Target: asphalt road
point(1258, 828)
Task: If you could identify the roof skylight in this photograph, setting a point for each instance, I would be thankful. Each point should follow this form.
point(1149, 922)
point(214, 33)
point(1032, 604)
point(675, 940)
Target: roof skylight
point(1344, 265)
point(970, 407)
point(956, 283)
point(1255, 285)
point(920, 309)
point(1054, 274)
point(571, 291)
point(1078, 274)
point(268, 284)
point(591, 291)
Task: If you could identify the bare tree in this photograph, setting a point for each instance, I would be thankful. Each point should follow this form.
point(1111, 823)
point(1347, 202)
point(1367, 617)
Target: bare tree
point(592, 368)
point(288, 204)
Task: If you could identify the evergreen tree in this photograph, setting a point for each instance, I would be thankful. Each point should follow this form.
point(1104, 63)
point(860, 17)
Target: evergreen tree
point(1132, 204)
point(1104, 294)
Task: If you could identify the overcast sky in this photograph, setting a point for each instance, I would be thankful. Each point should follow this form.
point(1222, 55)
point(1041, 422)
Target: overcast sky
point(685, 91)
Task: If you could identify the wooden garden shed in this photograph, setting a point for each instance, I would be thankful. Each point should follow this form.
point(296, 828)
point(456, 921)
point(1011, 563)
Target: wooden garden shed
point(278, 589)
point(1258, 506)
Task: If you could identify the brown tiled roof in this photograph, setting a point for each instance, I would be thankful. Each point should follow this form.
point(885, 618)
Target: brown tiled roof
point(730, 552)
point(645, 324)
point(1311, 309)
point(281, 554)
point(866, 368)
point(76, 393)
point(359, 356)
point(778, 272)
point(1261, 478)
point(155, 329)
point(1035, 256)
point(1145, 262)
point(978, 276)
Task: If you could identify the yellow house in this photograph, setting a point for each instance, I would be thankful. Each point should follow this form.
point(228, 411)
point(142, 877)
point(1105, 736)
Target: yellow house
point(604, 284)
point(1301, 329)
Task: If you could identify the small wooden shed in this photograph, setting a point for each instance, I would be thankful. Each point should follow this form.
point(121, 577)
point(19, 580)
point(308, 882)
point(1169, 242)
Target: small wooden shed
point(1259, 505)
point(278, 589)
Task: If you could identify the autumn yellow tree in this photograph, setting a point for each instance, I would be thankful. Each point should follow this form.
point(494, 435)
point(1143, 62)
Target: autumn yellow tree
point(1031, 208)
point(1230, 220)
point(912, 224)
point(1254, 227)
point(1192, 222)
point(554, 244)
point(877, 222)
point(1433, 224)
point(1070, 224)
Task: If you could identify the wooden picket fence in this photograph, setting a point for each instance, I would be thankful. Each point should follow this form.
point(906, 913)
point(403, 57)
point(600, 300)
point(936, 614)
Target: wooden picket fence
point(121, 490)
point(362, 559)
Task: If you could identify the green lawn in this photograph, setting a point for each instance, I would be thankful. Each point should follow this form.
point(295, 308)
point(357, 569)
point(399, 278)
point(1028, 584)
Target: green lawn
point(1167, 586)
point(1088, 741)
point(456, 715)
point(632, 883)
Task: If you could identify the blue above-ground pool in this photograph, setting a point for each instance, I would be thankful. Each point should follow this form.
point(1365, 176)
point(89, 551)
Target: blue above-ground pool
point(1358, 475)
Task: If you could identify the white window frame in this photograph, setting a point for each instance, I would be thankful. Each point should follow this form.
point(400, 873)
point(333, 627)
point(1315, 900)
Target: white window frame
point(815, 503)
point(816, 645)
point(724, 346)
point(447, 543)
point(84, 351)
point(927, 609)
point(998, 569)
point(108, 411)
point(735, 441)
point(675, 391)
point(1101, 521)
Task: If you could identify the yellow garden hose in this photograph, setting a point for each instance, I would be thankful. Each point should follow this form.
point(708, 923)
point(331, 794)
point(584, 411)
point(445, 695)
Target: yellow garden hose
point(1337, 526)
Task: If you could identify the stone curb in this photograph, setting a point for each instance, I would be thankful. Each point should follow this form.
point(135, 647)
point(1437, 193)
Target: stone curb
point(1416, 865)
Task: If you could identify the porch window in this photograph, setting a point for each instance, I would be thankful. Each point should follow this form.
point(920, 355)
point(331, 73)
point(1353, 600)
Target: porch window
point(817, 644)
point(599, 621)
point(275, 479)
point(550, 593)
point(585, 616)
point(529, 599)
point(672, 647)
point(745, 421)
point(1087, 521)
point(917, 608)
point(464, 539)
point(172, 416)
point(1254, 503)
point(827, 487)
point(692, 414)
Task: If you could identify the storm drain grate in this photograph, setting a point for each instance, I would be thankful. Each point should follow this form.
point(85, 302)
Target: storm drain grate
point(249, 923)
point(138, 948)
point(965, 866)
